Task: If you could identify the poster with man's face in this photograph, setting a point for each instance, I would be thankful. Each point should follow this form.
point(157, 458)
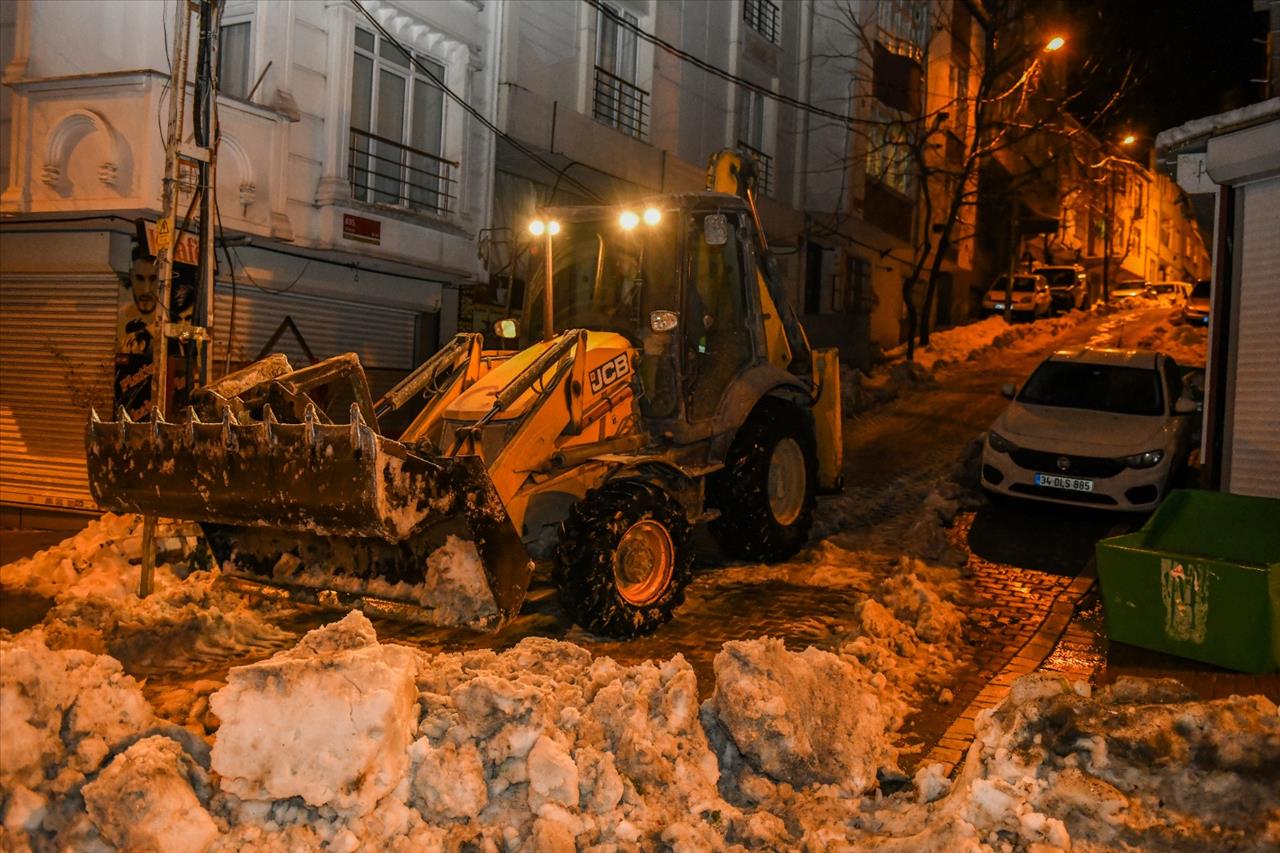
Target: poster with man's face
point(137, 329)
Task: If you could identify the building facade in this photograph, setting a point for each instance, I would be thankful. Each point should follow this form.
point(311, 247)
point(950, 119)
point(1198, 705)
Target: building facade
point(350, 183)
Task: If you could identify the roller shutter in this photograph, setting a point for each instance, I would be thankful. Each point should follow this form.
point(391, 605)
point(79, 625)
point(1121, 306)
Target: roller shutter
point(57, 343)
point(1255, 413)
point(382, 337)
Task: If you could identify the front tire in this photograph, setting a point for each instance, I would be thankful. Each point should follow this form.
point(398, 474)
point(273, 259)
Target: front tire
point(624, 559)
point(767, 489)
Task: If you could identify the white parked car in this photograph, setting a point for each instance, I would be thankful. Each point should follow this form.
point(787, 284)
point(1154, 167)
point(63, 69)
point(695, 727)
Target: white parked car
point(1068, 286)
point(1102, 427)
point(1030, 296)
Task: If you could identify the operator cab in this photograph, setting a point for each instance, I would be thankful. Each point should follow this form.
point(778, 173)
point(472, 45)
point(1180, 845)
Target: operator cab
point(675, 276)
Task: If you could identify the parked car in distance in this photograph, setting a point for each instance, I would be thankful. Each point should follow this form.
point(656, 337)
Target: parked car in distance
point(1196, 309)
point(1030, 294)
point(1128, 289)
point(1068, 286)
point(1177, 290)
point(1099, 427)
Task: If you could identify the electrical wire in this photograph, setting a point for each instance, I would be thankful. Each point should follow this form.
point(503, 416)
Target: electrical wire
point(716, 71)
point(467, 107)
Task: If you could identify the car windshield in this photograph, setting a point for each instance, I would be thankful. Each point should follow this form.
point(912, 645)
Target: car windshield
point(1201, 290)
point(1099, 387)
point(1021, 284)
point(1059, 278)
point(604, 276)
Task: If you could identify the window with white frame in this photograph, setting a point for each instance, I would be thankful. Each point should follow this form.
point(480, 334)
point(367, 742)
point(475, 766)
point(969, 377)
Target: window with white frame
point(397, 127)
point(753, 135)
point(235, 58)
point(618, 101)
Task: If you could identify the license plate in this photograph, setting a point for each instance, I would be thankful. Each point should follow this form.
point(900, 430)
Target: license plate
point(1057, 481)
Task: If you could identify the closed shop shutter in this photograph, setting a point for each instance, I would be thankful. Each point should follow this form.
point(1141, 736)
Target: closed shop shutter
point(57, 348)
point(1255, 414)
point(382, 337)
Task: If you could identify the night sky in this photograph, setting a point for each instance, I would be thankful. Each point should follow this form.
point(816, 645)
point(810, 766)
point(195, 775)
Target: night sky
point(1189, 58)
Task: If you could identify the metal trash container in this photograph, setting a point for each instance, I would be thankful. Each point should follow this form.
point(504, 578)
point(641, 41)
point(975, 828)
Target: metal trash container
point(1200, 580)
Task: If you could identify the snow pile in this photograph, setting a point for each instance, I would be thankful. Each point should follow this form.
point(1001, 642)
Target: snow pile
point(104, 560)
point(808, 718)
point(1188, 345)
point(64, 713)
point(329, 721)
point(1139, 765)
point(146, 799)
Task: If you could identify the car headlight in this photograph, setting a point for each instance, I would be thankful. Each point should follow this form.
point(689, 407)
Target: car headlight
point(1143, 460)
point(999, 443)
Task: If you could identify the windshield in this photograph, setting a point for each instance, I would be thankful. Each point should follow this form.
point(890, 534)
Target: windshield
point(1201, 290)
point(1099, 387)
point(1021, 284)
point(606, 278)
point(1059, 278)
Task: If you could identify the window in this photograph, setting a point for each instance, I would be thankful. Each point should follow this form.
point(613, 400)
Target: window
point(397, 128)
point(751, 135)
point(618, 102)
point(960, 100)
point(859, 296)
point(234, 59)
point(889, 157)
point(764, 17)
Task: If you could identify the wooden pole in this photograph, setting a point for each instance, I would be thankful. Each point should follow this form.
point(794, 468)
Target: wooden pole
point(147, 578)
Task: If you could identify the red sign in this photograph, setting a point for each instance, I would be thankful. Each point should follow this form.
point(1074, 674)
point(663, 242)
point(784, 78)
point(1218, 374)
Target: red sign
point(186, 252)
point(358, 228)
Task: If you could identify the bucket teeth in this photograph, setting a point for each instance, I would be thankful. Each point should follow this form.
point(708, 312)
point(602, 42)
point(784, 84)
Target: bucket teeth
point(228, 436)
point(190, 421)
point(309, 425)
point(93, 415)
point(268, 423)
point(122, 416)
point(357, 426)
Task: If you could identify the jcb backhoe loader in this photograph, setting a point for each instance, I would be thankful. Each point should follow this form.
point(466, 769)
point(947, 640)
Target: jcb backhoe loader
point(661, 380)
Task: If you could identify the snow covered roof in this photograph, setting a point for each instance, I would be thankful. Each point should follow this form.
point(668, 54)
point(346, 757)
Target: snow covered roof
point(1199, 130)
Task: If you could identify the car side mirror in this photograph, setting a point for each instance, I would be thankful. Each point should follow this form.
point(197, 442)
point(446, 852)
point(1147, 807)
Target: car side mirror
point(1185, 406)
point(1008, 389)
point(507, 328)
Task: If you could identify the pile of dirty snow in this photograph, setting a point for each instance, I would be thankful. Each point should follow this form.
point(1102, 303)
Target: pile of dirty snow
point(947, 348)
point(104, 560)
point(346, 743)
point(1188, 345)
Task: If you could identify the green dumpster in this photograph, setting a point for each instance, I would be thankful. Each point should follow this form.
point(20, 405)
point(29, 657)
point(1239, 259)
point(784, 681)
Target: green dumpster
point(1200, 580)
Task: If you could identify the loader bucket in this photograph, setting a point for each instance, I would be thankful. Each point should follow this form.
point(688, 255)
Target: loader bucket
point(335, 494)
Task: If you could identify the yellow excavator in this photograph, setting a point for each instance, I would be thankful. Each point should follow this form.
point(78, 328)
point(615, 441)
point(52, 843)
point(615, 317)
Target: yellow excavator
point(659, 378)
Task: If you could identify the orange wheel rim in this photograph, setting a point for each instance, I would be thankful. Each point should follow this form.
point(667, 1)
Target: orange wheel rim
point(643, 563)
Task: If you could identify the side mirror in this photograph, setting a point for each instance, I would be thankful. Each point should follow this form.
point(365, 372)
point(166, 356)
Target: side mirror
point(507, 328)
point(1008, 389)
point(1185, 406)
point(663, 321)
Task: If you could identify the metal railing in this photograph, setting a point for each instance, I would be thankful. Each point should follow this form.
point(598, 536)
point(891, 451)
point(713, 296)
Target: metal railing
point(383, 171)
point(762, 16)
point(620, 104)
point(764, 167)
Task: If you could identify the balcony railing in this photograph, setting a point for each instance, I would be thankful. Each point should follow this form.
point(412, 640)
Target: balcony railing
point(763, 17)
point(764, 167)
point(620, 104)
point(383, 171)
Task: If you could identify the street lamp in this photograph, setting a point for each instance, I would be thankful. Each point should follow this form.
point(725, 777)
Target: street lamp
point(1129, 139)
point(1055, 43)
point(548, 229)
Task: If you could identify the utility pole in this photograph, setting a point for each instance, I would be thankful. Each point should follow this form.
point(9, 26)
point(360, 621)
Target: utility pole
point(169, 229)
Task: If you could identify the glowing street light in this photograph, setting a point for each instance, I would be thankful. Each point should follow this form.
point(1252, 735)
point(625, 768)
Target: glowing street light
point(1055, 43)
point(1129, 139)
point(652, 216)
point(628, 220)
point(548, 229)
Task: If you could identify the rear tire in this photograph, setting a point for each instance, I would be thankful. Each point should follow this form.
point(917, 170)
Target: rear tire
point(624, 559)
point(766, 490)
